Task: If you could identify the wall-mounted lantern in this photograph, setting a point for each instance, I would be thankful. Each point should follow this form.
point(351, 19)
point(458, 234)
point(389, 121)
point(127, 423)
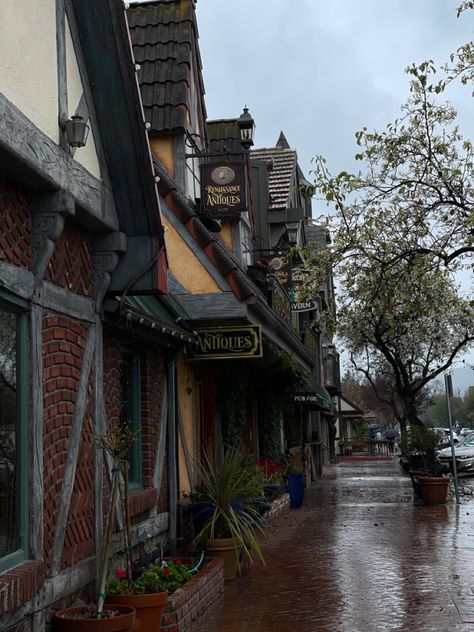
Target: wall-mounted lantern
point(292, 233)
point(247, 128)
point(76, 130)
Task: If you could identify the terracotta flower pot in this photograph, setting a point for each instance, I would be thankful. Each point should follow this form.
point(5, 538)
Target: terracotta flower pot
point(121, 623)
point(149, 609)
point(226, 549)
point(433, 489)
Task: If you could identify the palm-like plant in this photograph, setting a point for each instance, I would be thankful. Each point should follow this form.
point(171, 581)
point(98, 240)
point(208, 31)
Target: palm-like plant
point(226, 491)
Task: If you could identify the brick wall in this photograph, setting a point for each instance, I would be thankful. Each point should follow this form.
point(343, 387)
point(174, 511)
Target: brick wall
point(64, 341)
point(79, 537)
point(71, 264)
point(152, 388)
point(187, 604)
point(15, 225)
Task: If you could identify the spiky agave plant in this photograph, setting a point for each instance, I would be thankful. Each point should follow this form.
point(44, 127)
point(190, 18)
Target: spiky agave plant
point(227, 488)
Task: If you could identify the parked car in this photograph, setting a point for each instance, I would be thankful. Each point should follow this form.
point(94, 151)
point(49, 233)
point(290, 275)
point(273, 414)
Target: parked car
point(463, 453)
point(444, 438)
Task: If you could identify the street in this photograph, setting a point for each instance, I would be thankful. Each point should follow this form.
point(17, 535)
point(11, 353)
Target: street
point(359, 556)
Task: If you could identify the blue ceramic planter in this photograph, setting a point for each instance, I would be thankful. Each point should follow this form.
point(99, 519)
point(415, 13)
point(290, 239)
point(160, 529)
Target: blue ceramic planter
point(296, 490)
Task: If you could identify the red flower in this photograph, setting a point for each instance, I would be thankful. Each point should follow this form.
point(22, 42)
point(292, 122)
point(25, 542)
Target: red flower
point(165, 570)
point(121, 574)
point(178, 561)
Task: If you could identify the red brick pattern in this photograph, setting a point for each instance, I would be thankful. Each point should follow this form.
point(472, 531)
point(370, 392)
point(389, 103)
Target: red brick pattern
point(152, 388)
point(20, 584)
point(15, 226)
point(187, 604)
point(153, 371)
point(71, 264)
point(79, 537)
point(64, 341)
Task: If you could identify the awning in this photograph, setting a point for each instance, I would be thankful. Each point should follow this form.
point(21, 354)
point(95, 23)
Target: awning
point(313, 395)
point(161, 314)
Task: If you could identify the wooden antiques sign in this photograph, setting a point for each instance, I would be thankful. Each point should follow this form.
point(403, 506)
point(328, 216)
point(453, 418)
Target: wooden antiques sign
point(229, 342)
point(223, 193)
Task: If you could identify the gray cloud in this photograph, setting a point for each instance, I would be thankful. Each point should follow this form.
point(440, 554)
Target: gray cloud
point(320, 70)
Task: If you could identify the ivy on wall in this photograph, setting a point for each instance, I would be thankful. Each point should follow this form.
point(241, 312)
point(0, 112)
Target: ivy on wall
point(272, 386)
point(232, 389)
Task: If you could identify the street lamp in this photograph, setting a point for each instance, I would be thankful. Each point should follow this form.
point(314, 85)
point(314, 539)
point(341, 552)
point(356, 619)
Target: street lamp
point(247, 128)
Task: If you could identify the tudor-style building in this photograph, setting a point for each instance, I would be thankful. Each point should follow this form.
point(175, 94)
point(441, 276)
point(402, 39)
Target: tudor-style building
point(213, 245)
point(81, 243)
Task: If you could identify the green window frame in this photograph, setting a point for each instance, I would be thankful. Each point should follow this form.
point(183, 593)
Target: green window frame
point(18, 533)
point(130, 376)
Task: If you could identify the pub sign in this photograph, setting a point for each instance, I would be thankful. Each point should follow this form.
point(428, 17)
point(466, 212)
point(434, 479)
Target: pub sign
point(226, 343)
point(223, 193)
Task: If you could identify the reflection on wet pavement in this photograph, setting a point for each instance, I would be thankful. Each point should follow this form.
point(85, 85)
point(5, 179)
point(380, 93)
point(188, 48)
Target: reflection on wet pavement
point(358, 557)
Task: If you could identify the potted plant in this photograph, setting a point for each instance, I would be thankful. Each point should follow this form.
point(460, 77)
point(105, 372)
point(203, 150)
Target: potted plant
point(148, 592)
point(295, 476)
point(273, 478)
point(115, 617)
point(230, 524)
point(429, 486)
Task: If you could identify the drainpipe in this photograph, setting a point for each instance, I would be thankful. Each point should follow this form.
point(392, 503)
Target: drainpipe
point(173, 450)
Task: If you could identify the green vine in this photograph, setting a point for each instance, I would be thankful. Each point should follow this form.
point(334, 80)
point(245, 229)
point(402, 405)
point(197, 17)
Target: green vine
point(232, 388)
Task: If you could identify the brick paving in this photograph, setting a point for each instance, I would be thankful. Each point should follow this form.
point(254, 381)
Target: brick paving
point(359, 556)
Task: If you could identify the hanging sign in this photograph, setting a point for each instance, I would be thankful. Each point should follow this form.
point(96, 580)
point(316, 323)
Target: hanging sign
point(298, 294)
point(223, 189)
point(228, 343)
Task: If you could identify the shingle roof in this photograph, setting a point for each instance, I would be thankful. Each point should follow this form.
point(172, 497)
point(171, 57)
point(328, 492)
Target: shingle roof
point(164, 37)
point(223, 135)
point(282, 168)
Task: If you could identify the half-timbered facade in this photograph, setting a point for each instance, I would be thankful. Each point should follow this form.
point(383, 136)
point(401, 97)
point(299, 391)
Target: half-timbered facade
point(85, 339)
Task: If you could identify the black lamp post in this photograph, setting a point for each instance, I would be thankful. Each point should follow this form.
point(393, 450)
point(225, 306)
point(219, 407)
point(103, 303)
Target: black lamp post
point(247, 128)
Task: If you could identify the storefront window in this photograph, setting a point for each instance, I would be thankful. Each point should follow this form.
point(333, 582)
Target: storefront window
point(13, 436)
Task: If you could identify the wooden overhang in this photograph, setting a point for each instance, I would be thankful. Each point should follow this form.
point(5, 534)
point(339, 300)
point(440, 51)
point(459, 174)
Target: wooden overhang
point(111, 70)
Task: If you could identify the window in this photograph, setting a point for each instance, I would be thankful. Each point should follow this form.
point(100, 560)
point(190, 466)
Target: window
point(131, 410)
point(13, 433)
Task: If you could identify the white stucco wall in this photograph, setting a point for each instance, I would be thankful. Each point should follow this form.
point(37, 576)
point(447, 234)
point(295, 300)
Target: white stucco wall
point(28, 60)
point(86, 156)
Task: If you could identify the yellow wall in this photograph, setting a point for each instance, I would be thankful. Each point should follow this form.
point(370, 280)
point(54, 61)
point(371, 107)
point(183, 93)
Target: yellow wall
point(226, 235)
point(185, 266)
point(162, 148)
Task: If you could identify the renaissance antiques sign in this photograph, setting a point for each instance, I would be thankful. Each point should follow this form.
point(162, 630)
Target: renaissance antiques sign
point(223, 189)
point(229, 342)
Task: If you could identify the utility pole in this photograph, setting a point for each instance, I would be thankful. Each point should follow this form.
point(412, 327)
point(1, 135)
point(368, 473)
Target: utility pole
point(448, 384)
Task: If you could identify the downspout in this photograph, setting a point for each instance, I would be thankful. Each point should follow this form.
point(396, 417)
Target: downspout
point(173, 450)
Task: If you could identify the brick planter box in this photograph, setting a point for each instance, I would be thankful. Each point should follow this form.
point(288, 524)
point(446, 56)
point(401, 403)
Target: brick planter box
point(187, 604)
point(278, 506)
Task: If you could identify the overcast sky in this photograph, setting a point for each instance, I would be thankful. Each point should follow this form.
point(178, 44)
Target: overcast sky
point(322, 69)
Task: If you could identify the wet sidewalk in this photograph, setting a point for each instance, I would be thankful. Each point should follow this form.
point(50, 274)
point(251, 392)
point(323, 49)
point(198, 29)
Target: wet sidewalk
point(359, 556)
